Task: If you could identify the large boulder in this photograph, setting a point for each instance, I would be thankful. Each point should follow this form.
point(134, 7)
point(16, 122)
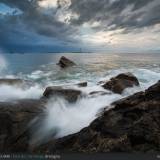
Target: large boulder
point(65, 62)
point(121, 82)
point(71, 95)
point(131, 126)
point(17, 119)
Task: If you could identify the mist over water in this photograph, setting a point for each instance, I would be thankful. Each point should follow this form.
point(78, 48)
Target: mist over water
point(3, 63)
point(64, 118)
point(9, 93)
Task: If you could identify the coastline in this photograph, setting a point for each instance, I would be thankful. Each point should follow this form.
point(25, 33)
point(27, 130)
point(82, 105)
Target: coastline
point(136, 128)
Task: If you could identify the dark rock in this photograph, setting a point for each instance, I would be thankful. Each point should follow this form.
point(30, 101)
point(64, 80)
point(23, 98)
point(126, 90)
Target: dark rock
point(98, 93)
point(121, 82)
point(16, 122)
point(82, 84)
point(131, 126)
point(65, 62)
point(70, 95)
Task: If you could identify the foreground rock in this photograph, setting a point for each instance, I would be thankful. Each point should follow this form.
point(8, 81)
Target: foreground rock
point(133, 125)
point(16, 120)
point(121, 82)
point(65, 62)
point(71, 95)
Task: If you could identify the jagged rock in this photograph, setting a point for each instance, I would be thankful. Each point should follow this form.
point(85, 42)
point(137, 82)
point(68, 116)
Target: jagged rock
point(121, 82)
point(132, 125)
point(65, 62)
point(70, 95)
point(16, 122)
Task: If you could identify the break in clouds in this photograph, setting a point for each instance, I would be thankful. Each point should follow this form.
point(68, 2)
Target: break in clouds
point(71, 25)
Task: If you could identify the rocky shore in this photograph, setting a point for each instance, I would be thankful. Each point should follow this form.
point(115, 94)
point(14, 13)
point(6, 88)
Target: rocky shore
point(131, 125)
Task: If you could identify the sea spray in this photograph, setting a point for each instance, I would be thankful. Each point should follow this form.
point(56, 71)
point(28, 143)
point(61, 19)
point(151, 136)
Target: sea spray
point(9, 93)
point(64, 118)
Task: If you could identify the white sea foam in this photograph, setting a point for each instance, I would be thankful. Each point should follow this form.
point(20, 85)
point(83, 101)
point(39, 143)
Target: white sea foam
point(147, 77)
point(35, 74)
point(62, 117)
point(8, 93)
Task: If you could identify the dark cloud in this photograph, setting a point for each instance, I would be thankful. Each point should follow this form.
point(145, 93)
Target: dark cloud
point(36, 19)
point(32, 25)
point(36, 26)
point(114, 14)
point(21, 4)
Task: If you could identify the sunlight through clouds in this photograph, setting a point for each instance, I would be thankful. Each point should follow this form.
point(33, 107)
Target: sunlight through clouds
point(72, 24)
point(48, 3)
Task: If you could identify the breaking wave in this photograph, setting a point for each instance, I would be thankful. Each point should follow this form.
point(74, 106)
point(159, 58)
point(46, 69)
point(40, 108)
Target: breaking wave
point(63, 118)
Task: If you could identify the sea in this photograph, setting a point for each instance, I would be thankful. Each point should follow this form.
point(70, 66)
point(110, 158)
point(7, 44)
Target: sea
point(42, 69)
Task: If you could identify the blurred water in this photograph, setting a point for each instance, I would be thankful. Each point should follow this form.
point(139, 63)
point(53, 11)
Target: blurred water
point(91, 67)
point(42, 67)
point(62, 116)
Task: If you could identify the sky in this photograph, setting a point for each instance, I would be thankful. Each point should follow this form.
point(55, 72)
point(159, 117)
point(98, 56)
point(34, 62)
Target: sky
point(79, 25)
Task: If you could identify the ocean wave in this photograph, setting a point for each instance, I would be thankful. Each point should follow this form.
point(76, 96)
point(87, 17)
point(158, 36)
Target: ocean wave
point(9, 93)
point(66, 118)
point(146, 77)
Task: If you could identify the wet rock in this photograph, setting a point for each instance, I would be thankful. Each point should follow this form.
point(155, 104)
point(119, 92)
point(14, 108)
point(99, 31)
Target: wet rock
point(65, 62)
point(82, 84)
point(98, 93)
point(71, 95)
point(16, 122)
point(121, 82)
point(131, 126)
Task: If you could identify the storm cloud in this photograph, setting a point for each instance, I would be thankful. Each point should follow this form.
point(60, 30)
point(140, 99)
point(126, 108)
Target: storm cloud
point(32, 25)
point(113, 14)
point(62, 23)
